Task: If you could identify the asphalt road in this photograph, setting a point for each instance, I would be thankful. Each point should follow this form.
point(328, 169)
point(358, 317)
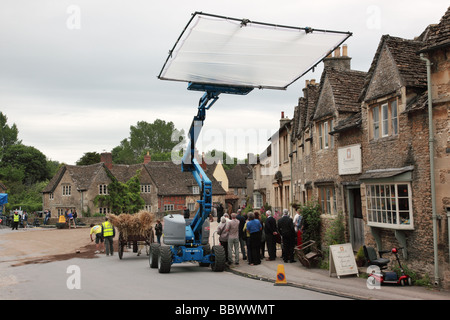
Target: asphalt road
point(109, 278)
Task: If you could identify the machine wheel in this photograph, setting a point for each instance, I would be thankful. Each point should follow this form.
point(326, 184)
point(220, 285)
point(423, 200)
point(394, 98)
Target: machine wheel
point(164, 259)
point(153, 255)
point(218, 264)
point(206, 251)
point(406, 282)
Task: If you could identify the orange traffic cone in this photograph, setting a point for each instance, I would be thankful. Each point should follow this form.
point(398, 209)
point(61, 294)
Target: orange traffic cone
point(281, 276)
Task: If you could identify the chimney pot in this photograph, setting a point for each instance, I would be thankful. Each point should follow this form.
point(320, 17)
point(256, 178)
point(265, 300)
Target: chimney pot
point(337, 52)
point(344, 50)
point(306, 83)
point(313, 81)
point(282, 114)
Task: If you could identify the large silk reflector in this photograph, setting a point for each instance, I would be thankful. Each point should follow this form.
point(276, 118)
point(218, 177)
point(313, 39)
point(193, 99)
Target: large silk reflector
point(235, 52)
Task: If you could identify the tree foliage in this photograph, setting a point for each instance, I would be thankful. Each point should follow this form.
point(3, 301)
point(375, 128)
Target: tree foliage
point(29, 159)
point(89, 158)
point(155, 138)
point(122, 197)
point(8, 134)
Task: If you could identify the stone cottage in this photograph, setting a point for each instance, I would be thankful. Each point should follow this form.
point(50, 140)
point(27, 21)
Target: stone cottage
point(163, 186)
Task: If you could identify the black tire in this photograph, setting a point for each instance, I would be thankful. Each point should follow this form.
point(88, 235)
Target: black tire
point(219, 259)
point(164, 259)
point(153, 255)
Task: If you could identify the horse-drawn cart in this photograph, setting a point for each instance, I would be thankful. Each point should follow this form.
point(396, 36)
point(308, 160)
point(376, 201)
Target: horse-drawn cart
point(136, 241)
point(135, 230)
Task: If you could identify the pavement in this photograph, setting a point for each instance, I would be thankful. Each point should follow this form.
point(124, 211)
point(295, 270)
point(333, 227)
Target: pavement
point(352, 286)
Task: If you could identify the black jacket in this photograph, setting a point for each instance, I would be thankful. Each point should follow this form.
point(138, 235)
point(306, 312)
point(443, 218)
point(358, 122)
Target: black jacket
point(286, 226)
point(270, 226)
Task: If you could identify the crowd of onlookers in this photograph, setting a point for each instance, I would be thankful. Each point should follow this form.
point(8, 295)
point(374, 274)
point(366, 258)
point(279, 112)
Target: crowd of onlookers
point(253, 232)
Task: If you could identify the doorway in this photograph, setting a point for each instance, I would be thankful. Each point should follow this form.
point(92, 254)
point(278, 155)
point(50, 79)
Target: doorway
point(356, 218)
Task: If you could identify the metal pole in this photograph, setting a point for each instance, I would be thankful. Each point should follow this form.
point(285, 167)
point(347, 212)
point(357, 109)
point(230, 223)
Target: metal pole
point(433, 192)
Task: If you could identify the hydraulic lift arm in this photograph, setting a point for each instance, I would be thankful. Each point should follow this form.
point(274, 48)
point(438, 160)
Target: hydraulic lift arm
point(190, 164)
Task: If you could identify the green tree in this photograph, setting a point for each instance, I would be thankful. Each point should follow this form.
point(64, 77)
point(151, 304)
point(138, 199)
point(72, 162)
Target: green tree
point(32, 161)
point(155, 138)
point(122, 197)
point(88, 158)
point(8, 134)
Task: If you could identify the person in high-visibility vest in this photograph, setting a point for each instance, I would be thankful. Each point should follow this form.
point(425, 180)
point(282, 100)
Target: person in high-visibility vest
point(16, 220)
point(108, 233)
point(97, 231)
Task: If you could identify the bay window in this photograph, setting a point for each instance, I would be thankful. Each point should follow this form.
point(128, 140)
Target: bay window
point(389, 205)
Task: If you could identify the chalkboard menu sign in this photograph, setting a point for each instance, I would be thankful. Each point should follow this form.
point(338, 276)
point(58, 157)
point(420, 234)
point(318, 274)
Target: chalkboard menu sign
point(342, 260)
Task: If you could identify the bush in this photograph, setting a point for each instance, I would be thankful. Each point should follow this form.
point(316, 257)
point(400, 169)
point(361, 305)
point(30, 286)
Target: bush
point(311, 221)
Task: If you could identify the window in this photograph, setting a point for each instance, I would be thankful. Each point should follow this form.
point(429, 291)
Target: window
point(51, 196)
point(323, 129)
point(376, 122)
point(104, 210)
point(384, 120)
point(66, 190)
point(394, 120)
point(389, 205)
point(168, 207)
point(191, 206)
point(148, 207)
point(103, 189)
point(327, 199)
point(146, 188)
point(195, 190)
point(257, 200)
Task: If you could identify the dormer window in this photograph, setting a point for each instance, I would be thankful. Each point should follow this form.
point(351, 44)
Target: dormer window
point(325, 141)
point(195, 190)
point(383, 120)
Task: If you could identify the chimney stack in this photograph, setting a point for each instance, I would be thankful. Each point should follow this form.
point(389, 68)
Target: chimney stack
point(203, 163)
point(147, 158)
point(336, 60)
point(106, 158)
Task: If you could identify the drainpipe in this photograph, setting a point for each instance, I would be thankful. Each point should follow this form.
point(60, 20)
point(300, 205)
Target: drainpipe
point(433, 192)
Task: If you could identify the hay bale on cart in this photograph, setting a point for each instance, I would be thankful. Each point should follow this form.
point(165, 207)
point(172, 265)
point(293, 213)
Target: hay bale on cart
point(134, 229)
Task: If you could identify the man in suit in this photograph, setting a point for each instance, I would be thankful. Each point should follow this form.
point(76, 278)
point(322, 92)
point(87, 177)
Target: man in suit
point(270, 229)
point(287, 232)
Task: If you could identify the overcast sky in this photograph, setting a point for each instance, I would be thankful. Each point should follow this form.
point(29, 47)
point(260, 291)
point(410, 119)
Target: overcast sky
point(75, 75)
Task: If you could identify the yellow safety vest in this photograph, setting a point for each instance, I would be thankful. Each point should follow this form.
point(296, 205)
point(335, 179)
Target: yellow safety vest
point(16, 218)
point(107, 229)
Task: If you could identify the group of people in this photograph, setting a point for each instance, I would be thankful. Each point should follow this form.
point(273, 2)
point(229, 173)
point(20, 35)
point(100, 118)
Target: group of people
point(251, 234)
point(104, 233)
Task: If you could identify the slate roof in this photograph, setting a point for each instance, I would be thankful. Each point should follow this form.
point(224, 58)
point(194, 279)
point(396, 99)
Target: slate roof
point(346, 86)
point(304, 111)
point(165, 174)
point(237, 176)
point(411, 68)
point(81, 175)
point(353, 121)
point(170, 180)
point(438, 36)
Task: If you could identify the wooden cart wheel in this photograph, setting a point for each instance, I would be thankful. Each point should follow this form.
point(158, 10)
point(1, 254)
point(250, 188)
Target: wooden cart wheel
point(120, 250)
